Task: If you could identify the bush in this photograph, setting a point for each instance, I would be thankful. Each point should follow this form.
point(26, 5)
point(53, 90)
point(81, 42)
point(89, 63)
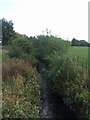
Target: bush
point(46, 46)
point(69, 81)
point(21, 90)
point(22, 48)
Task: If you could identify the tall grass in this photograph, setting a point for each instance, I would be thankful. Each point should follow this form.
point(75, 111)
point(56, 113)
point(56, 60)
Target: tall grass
point(21, 91)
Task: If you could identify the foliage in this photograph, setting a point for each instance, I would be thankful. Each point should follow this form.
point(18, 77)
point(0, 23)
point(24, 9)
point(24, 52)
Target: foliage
point(7, 31)
point(80, 54)
point(70, 81)
point(21, 90)
point(4, 55)
point(76, 42)
point(22, 47)
point(21, 82)
point(69, 78)
point(48, 45)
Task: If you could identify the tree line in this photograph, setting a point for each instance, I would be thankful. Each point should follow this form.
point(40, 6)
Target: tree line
point(76, 42)
point(8, 33)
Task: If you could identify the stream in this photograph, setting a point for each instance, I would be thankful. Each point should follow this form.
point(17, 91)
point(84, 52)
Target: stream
point(52, 105)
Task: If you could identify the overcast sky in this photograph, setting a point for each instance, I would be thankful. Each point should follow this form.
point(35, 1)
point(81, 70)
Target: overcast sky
point(65, 18)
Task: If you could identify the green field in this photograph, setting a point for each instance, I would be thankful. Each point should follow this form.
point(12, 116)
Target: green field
point(80, 54)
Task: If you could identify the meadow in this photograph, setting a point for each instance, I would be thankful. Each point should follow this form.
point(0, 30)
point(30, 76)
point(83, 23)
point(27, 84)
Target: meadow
point(80, 54)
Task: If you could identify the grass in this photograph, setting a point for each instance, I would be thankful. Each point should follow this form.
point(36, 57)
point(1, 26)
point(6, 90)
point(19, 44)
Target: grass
point(80, 54)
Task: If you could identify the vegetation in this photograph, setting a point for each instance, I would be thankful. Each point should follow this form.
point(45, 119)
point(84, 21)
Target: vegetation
point(7, 31)
point(69, 78)
point(21, 81)
point(80, 54)
point(70, 81)
point(22, 48)
point(47, 46)
point(21, 90)
point(76, 42)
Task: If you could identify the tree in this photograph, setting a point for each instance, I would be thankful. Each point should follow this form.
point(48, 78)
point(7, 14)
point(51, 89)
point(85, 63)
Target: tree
point(74, 41)
point(7, 31)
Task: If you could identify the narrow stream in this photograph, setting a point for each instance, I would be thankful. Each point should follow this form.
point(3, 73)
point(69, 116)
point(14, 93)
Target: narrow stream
point(52, 105)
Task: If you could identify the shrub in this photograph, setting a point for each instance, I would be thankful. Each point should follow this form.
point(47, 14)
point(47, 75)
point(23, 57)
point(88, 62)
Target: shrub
point(46, 46)
point(22, 48)
point(69, 81)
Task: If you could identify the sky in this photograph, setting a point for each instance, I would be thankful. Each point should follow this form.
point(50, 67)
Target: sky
point(67, 19)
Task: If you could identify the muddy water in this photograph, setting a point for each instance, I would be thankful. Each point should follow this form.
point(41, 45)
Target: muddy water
point(52, 105)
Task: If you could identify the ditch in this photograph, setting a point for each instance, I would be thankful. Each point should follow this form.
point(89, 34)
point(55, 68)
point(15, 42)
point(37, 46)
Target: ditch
point(52, 105)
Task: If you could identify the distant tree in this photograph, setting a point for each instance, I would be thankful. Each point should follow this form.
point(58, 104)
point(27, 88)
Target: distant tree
point(83, 43)
point(7, 31)
point(74, 42)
